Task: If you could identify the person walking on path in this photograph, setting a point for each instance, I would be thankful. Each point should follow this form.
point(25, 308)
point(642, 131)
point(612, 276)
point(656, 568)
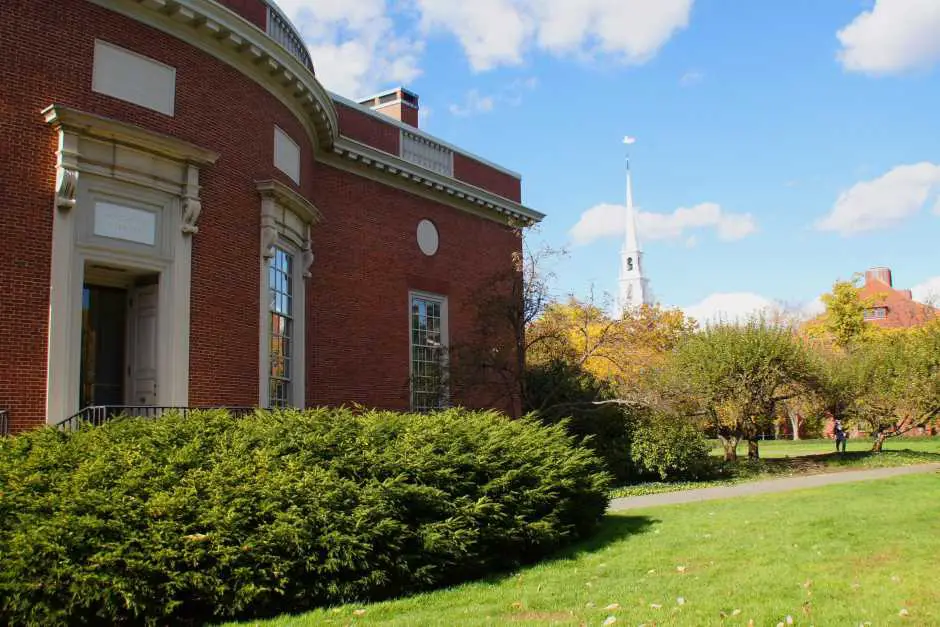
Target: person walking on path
point(841, 436)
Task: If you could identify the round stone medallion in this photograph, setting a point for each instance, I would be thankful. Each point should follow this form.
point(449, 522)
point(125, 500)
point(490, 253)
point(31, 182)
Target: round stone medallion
point(428, 239)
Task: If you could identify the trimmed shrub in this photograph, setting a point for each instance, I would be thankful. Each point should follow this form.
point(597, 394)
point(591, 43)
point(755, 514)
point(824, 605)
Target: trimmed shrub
point(561, 392)
point(670, 448)
point(206, 517)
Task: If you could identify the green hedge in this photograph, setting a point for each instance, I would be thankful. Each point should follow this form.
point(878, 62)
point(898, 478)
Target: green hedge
point(207, 517)
point(670, 448)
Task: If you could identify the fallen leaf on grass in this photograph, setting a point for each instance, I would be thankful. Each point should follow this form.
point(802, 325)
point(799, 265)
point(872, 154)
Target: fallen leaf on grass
point(655, 606)
point(612, 607)
point(680, 569)
point(680, 601)
point(359, 612)
point(736, 612)
point(904, 612)
point(610, 620)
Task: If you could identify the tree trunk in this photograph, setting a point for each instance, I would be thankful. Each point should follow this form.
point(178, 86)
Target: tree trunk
point(730, 445)
point(753, 452)
point(795, 425)
point(879, 442)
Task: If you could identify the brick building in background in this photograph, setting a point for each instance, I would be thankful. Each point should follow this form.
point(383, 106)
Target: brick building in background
point(891, 308)
point(191, 219)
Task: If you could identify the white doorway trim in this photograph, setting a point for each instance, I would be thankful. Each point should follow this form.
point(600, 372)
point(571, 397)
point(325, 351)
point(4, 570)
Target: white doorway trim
point(102, 162)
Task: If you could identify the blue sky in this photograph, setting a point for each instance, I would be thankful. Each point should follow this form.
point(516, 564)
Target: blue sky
point(801, 138)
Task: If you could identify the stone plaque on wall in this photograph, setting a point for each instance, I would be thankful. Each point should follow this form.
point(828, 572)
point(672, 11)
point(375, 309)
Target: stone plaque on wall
point(125, 223)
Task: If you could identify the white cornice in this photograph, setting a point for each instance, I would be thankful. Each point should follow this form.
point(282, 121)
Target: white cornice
point(482, 200)
point(287, 197)
point(417, 131)
point(213, 28)
point(91, 125)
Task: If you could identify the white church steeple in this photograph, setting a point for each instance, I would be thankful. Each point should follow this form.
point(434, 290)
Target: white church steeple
point(634, 287)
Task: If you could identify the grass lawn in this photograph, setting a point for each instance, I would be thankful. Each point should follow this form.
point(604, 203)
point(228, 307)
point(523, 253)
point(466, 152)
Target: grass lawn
point(848, 554)
point(786, 458)
point(791, 448)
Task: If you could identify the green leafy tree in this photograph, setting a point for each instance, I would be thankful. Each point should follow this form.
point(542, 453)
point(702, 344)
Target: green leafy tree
point(892, 384)
point(737, 375)
point(844, 318)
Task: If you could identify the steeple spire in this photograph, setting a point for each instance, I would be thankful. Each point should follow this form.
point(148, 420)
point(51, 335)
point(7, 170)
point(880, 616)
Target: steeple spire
point(631, 239)
point(634, 287)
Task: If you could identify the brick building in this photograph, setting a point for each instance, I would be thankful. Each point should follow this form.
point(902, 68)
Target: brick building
point(191, 219)
point(891, 308)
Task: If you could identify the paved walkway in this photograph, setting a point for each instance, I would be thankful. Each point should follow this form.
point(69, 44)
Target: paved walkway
point(765, 487)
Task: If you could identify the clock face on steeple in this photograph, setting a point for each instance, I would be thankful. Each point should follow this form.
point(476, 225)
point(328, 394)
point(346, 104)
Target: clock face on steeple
point(629, 264)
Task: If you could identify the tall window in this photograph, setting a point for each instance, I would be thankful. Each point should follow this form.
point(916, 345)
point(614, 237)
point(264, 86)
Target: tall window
point(428, 352)
point(281, 299)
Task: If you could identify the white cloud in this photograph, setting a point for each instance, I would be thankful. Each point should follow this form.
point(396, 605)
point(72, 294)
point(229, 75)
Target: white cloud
point(737, 307)
point(884, 201)
point(361, 46)
point(501, 32)
point(690, 78)
point(813, 308)
point(355, 46)
point(928, 292)
point(608, 220)
point(895, 35)
point(731, 307)
point(475, 103)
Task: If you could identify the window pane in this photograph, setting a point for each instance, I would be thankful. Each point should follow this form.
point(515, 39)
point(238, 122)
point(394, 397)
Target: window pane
point(428, 358)
point(280, 287)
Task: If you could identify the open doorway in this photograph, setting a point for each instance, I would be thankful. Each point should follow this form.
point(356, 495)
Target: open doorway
point(119, 338)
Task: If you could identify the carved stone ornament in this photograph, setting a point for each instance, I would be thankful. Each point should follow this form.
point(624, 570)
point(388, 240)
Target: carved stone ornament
point(268, 239)
point(307, 255)
point(192, 207)
point(66, 186)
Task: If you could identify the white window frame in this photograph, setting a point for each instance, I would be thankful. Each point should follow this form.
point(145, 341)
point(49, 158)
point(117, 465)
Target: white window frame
point(441, 300)
point(298, 337)
point(286, 223)
point(289, 314)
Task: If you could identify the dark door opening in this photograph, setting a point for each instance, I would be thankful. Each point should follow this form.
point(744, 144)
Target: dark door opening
point(104, 332)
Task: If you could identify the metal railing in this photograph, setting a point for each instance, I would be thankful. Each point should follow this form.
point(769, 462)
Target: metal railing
point(283, 32)
point(98, 415)
point(4, 422)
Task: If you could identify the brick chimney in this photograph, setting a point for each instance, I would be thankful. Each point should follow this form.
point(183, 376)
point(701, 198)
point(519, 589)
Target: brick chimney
point(881, 274)
point(398, 103)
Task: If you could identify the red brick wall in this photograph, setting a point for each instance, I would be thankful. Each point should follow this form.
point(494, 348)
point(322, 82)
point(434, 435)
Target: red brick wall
point(367, 129)
point(255, 11)
point(483, 176)
point(374, 132)
point(367, 258)
point(216, 108)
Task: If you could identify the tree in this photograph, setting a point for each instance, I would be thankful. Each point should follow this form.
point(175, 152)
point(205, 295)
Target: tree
point(491, 361)
point(895, 382)
point(737, 374)
point(844, 318)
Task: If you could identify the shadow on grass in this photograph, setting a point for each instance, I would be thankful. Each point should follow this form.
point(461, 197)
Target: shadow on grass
point(612, 529)
point(852, 460)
